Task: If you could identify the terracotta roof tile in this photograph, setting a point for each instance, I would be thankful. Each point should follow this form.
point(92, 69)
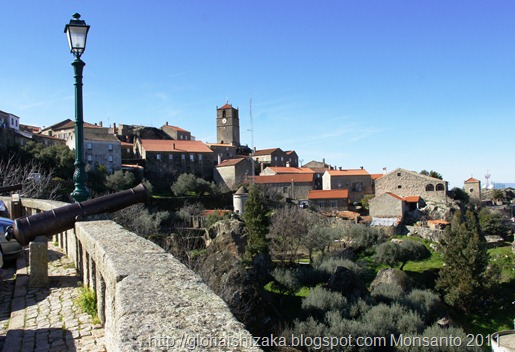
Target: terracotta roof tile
point(265, 151)
point(395, 196)
point(350, 172)
point(226, 106)
point(163, 145)
point(329, 194)
point(285, 178)
point(291, 170)
point(412, 199)
point(472, 180)
point(230, 162)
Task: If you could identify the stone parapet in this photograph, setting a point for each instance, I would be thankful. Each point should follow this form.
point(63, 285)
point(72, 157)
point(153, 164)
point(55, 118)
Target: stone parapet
point(147, 300)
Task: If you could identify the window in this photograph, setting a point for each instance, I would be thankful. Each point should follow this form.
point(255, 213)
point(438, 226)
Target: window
point(430, 188)
point(200, 157)
point(110, 158)
point(440, 187)
point(357, 186)
point(110, 147)
point(192, 158)
point(158, 156)
point(128, 150)
point(170, 156)
point(183, 158)
point(89, 146)
point(398, 173)
point(399, 186)
point(90, 158)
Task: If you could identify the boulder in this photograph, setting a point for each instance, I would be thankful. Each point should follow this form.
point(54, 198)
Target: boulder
point(347, 283)
point(392, 276)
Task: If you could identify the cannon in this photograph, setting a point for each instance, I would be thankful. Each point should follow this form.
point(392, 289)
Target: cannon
point(26, 229)
point(10, 188)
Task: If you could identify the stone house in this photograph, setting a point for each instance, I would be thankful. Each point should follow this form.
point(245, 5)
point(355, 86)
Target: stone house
point(357, 181)
point(387, 205)
point(406, 183)
point(100, 148)
point(293, 186)
point(176, 133)
point(319, 167)
point(279, 170)
point(174, 157)
point(472, 187)
point(292, 159)
point(223, 151)
point(232, 172)
point(270, 157)
point(329, 200)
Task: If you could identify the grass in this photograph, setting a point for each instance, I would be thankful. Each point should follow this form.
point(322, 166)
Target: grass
point(87, 302)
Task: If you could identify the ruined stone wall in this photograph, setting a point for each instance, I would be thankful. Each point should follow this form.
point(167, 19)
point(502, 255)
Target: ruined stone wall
point(385, 206)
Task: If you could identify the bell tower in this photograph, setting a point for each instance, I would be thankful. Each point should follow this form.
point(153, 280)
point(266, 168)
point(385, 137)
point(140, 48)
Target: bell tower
point(227, 125)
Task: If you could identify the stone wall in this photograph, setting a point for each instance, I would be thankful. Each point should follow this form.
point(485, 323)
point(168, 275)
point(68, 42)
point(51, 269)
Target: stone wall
point(147, 299)
point(426, 233)
point(406, 183)
point(386, 205)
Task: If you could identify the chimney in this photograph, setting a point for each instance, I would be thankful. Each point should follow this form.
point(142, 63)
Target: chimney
point(114, 128)
point(219, 158)
point(166, 123)
point(101, 124)
point(173, 146)
point(361, 167)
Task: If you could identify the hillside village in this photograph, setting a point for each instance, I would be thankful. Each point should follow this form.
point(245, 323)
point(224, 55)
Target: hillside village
point(161, 154)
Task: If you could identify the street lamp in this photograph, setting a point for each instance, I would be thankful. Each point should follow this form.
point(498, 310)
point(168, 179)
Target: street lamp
point(77, 33)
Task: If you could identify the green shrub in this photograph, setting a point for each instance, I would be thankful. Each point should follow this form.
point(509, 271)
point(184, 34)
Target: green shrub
point(321, 300)
point(387, 292)
point(428, 304)
point(286, 280)
point(87, 301)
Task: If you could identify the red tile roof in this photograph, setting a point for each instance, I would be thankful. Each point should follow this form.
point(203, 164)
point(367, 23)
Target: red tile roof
point(230, 162)
point(412, 199)
point(226, 106)
point(350, 172)
point(218, 212)
point(265, 151)
point(163, 145)
point(376, 176)
point(291, 170)
point(395, 196)
point(472, 180)
point(285, 178)
point(174, 128)
point(329, 194)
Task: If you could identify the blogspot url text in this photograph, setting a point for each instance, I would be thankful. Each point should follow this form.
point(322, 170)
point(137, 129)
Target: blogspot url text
point(193, 342)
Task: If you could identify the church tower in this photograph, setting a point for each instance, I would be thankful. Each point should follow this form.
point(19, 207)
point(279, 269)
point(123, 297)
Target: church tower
point(227, 125)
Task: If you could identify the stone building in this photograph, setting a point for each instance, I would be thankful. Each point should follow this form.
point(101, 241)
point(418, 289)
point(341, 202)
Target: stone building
point(319, 167)
point(176, 133)
point(387, 205)
point(329, 200)
point(232, 172)
point(270, 157)
point(406, 183)
point(227, 125)
point(473, 188)
point(293, 186)
point(279, 170)
point(170, 157)
point(358, 182)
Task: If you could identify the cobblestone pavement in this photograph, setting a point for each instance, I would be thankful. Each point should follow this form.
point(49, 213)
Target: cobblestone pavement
point(45, 319)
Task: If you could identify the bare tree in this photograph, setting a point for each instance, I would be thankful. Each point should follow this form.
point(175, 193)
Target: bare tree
point(35, 181)
point(288, 228)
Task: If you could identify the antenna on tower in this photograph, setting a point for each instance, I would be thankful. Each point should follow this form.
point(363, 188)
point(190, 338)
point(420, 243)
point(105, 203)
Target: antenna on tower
point(487, 177)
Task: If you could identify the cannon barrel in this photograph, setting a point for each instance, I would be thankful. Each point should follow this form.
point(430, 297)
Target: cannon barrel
point(10, 188)
point(53, 221)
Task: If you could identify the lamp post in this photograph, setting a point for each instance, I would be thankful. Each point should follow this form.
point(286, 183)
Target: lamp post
point(77, 32)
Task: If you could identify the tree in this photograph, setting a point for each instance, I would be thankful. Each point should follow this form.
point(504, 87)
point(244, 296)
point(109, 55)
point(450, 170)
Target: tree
point(492, 223)
point(288, 227)
point(319, 238)
point(391, 253)
point(432, 173)
point(120, 180)
point(57, 158)
point(256, 224)
point(189, 184)
point(464, 277)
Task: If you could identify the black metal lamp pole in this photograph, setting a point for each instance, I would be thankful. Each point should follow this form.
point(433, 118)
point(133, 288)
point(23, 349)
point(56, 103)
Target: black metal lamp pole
point(77, 32)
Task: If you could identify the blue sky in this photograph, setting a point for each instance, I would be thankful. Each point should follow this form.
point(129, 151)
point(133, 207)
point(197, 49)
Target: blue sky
point(387, 83)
